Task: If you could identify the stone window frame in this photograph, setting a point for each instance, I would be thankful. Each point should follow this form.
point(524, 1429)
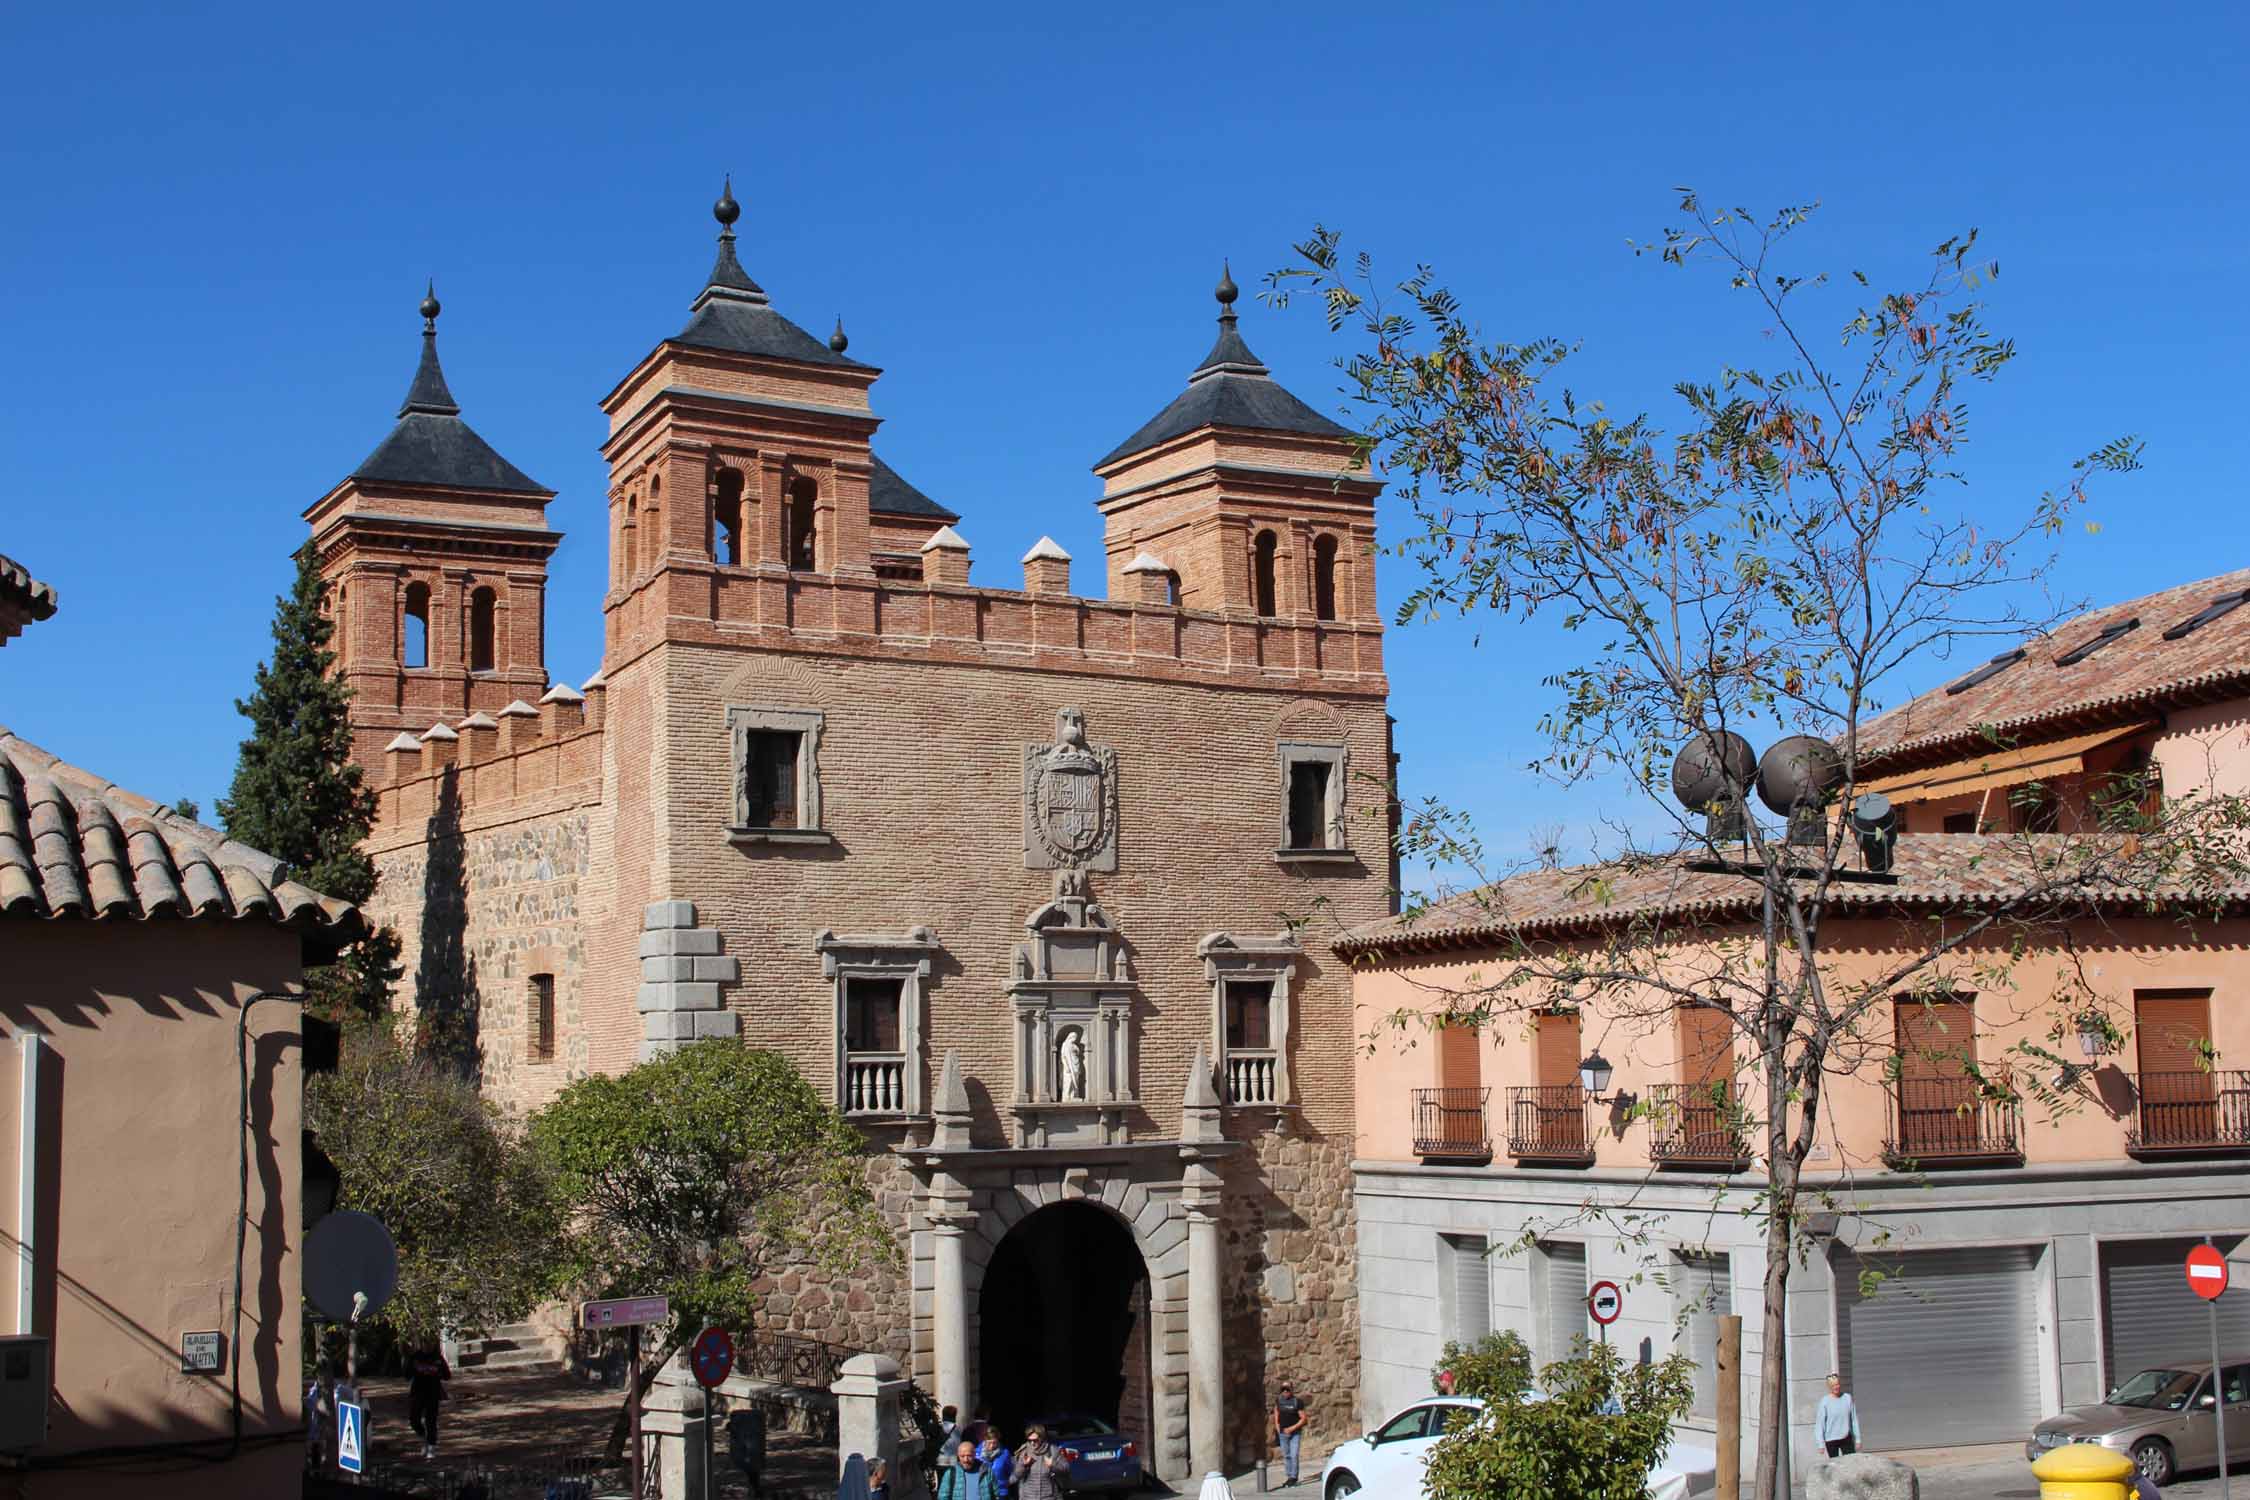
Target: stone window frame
point(1337, 756)
point(903, 956)
point(808, 724)
point(1271, 960)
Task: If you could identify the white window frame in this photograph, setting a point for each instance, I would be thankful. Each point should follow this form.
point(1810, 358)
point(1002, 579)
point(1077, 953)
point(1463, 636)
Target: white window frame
point(807, 724)
point(1267, 959)
point(880, 955)
point(1338, 758)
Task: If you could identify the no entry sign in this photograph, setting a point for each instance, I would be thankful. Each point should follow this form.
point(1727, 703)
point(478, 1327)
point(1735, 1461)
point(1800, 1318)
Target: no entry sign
point(1604, 1302)
point(2206, 1272)
point(712, 1358)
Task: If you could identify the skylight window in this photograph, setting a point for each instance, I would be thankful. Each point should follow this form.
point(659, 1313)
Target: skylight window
point(2109, 633)
point(2224, 604)
point(1987, 672)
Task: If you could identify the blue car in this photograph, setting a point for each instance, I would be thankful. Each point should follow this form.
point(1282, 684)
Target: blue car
point(1101, 1458)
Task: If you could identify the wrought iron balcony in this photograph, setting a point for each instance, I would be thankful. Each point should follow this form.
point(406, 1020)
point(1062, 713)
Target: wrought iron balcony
point(2190, 1112)
point(1697, 1126)
point(1450, 1123)
point(1547, 1124)
point(1939, 1122)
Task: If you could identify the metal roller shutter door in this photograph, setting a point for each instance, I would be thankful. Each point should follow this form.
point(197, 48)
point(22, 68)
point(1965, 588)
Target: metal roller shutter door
point(1703, 1288)
point(2150, 1318)
point(1947, 1349)
point(1566, 1300)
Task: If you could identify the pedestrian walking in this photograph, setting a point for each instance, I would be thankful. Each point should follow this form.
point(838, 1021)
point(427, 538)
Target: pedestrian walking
point(1289, 1429)
point(967, 1479)
point(425, 1393)
point(320, 1416)
point(998, 1462)
point(950, 1419)
point(1838, 1420)
point(1038, 1467)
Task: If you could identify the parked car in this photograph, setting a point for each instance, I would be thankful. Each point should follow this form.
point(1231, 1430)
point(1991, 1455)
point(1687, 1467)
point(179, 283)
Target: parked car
point(1101, 1458)
point(2166, 1419)
point(1388, 1463)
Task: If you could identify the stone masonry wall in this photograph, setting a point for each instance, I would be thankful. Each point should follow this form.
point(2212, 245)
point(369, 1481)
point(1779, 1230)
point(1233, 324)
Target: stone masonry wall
point(1291, 1303)
point(477, 914)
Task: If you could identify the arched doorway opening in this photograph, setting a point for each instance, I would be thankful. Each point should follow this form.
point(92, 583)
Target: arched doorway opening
point(1063, 1324)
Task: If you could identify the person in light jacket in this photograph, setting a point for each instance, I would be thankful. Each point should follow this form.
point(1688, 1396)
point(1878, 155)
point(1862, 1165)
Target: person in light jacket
point(1838, 1420)
point(1039, 1469)
point(965, 1479)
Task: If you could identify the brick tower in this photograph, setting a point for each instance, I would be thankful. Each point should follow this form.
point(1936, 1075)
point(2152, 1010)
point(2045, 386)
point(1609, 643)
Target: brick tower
point(435, 551)
point(1255, 503)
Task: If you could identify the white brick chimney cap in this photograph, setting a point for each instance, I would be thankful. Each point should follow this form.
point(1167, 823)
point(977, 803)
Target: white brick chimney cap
point(946, 540)
point(1046, 548)
point(562, 692)
point(1148, 562)
point(404, 741)
point(480, 720)
point(439, 732)
point(519, 710)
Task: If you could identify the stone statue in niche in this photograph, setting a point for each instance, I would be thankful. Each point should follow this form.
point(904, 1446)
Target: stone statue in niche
point(1072, 1056)
point(1070, 800)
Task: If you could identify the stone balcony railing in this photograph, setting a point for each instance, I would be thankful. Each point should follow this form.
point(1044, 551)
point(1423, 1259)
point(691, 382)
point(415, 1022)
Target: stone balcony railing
point(874, 1083)
point(1253, 1075)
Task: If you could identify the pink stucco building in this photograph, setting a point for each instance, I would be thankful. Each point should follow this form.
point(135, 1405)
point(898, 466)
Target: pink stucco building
point(2032, 1248)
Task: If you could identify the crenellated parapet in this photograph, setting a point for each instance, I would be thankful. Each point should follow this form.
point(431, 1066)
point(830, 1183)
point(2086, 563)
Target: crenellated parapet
point(492, 768)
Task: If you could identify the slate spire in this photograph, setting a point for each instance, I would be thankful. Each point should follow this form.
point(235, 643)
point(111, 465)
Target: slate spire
point(1229, 353)
point(728, 279)
point(428, 393)
point(1231, 388)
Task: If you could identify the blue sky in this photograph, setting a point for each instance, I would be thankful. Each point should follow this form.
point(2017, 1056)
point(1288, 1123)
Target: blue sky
point(218, 226)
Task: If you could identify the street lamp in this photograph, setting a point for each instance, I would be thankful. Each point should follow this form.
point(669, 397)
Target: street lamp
point(1594, 1073)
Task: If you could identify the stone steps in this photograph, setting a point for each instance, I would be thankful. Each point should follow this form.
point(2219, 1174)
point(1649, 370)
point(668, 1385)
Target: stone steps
point(516, 1346)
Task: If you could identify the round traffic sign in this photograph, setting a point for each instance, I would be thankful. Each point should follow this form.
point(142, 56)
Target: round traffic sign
point(712, 1357)
point(1604, 1302)
point(2206, 1272)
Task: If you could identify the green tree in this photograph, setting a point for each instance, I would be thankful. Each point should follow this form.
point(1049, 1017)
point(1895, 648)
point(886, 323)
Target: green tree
point(298, 796)
point(1496, 1367)
point(1601, 1426)
point(1763, 566)
point(691, 1174)
point(467, 1200)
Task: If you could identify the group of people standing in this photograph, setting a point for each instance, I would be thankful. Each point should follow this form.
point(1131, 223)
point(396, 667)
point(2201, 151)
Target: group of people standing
point(974, 1464)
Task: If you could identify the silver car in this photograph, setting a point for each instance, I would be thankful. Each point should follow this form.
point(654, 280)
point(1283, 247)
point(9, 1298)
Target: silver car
point(2167, 1419)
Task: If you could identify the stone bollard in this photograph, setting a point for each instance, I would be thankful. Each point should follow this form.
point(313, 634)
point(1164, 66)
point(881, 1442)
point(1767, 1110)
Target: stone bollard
point(868, 1395)
point(2083, 1471)
point(1862, 1476)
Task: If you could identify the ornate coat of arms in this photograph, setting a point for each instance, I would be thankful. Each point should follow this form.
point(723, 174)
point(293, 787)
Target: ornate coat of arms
point(1069, 800)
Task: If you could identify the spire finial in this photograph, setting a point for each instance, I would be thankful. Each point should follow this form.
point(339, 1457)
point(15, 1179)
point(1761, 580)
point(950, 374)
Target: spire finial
point(430, 307)
point(1226, 292)
point(836, 340)
point(726, 210)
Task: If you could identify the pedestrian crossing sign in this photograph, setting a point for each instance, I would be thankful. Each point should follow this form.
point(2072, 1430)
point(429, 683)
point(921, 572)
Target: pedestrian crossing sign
point(351, 1433)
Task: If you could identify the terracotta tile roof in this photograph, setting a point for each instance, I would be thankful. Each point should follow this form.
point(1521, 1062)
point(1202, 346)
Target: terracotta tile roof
point(23, 595)
point(2133, 673)
point(1936, 872)
point(74, 845)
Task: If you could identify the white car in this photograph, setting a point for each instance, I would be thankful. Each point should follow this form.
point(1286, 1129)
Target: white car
point(1388, 1463)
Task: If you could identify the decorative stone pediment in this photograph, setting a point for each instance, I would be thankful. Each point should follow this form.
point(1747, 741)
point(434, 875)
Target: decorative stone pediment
point(1073, 995)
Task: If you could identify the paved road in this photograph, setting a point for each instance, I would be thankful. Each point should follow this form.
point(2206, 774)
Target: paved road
point(1999, 1472)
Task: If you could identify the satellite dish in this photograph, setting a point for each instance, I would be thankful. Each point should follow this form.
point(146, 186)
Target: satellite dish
point(349, 1257)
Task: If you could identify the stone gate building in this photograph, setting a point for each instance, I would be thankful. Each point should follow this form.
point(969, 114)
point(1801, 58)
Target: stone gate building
point(1008, 872)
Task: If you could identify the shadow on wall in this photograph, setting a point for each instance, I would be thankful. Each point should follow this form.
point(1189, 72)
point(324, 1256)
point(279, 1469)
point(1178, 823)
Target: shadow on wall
point(447, 1009)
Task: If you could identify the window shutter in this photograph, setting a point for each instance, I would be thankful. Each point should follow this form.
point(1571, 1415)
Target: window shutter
point(1558, 1049)
point(1459, 1066)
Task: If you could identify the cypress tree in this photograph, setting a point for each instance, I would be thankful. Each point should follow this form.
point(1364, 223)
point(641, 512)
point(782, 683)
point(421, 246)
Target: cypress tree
point(297, 795)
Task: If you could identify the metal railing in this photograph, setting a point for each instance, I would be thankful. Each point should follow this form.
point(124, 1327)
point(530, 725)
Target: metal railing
point(2192, 1111)
point(874, 1083)
point(1253, 1075)
point(1936, 1121)
point(1450, 1122)
point(1548, 1123)
point(1697, 1125)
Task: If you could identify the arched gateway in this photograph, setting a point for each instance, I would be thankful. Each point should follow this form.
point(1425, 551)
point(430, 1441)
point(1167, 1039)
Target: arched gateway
point(1063, 1322)
point(1086, 1283)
